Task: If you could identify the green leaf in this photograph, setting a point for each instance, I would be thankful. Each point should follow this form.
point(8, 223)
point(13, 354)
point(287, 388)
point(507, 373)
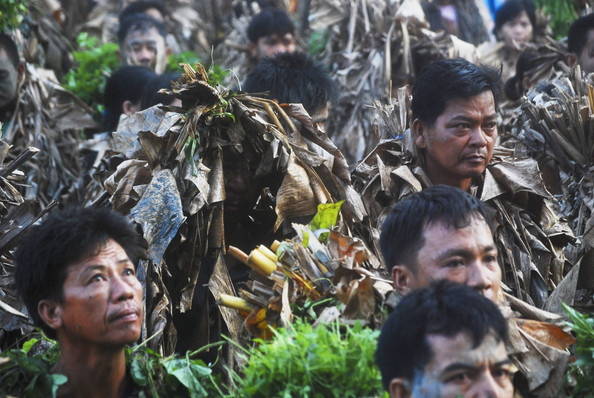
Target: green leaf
point(326, 215)
point(28, 344)
point(57, 380)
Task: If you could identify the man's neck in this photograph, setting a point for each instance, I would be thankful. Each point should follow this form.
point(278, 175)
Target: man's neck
point(94, 372)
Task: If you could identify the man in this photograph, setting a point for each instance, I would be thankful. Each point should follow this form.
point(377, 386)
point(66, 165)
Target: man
point(444, 233)
point(77, 275)
point(141, 41)
point(295, 78)
point(271, 32)
point(152, 8)
point(11, 74)
point(445, 341)
point(580, 43)
point(454, 112)
point(441, 233)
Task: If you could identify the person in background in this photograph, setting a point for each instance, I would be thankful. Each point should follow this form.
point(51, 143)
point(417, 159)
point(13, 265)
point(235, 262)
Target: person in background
point(152, 8)
point(515, 27)
point(271, 32)
point(295, 78)
point(123, 93)
point(77, 275)
point(151, 95)
point(11, 74)
point(580, 43)
point(141, 41)
point(445, 341)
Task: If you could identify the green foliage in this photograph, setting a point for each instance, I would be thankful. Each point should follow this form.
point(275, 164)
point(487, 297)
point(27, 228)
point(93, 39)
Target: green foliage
point(171, 376)
point(582, 370)
point(29, 376)
point(562, 14)
point(185, 57)
point(328, 361)
point(11, 13)
point(324, 219)
point(95, 64)
point(318, 41)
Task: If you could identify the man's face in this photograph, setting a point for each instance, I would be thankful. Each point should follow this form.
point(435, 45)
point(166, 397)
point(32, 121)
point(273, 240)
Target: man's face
point(466, 255)
point(271, 45)
point(145, 47)
point(102, 301)
point(459, 144)
point(9, 79)
point(457, 369)
point(517, 30)
point(586, 58)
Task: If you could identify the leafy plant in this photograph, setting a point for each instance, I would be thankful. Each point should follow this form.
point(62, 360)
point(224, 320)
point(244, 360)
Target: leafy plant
point(331, 360)
point(185, 57)
point(562, 14)
point(29, 376)
point(95, 64)
point(582, 370)
point(11, 13)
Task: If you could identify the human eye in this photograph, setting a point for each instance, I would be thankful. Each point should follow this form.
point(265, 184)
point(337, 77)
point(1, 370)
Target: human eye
point(463, 126)
point(98, 277)
point(460, 378)
point(129, 271)
point(502, 373)
point(454, 263)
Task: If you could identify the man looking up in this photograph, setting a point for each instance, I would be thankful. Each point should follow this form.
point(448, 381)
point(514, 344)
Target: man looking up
point(445, 341)
point(580, 43)
point(271, 32)
point(441, 233)
point(454, 110)
point(141, 41)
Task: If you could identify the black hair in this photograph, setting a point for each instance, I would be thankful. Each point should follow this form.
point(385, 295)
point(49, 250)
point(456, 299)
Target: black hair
point(293, 77)
point(578, 33)
point(444, 308)
point(8, 45)
point(151, 95)
point(141, 6)
point(403, 230)
point(512, 9)
point(268, 22)
point(140, 22)
point(125, 84)
point(448, 79)
point(64, 238)
point(514, 88)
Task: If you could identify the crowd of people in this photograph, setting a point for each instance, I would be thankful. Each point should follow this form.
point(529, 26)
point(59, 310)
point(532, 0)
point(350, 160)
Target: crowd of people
point(473, 241)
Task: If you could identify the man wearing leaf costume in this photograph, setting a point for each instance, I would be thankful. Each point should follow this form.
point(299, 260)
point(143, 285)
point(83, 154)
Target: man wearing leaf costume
point(443, 232)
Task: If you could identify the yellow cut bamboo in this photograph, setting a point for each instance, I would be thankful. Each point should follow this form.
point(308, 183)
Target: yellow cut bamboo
point(261, 263)
point(238, 254)
point(267, 252)
point(234, 302)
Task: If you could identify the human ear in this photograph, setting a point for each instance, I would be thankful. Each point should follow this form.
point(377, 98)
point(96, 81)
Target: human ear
point(399, 389)
point(129, 108)
point(50, 312)
point(571, 59)
point(418, 129)
point(402, 279)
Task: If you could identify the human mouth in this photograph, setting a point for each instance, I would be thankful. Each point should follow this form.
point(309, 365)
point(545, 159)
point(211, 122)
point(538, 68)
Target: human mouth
point(126, 315)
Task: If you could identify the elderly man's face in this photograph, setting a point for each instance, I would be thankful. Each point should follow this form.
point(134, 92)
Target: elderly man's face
point(465, 255)
point(145, 47)
point(102, 303)
point(459, 144)
point(457, 369)
point(9, 79)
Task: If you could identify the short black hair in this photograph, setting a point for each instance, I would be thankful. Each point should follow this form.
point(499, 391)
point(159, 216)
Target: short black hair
point(8, 45)
point(65, 237)
point(268, 22)
point(140, 22)
point(151, 95)
point(125, 84)
point(293, 77)
point(512, 9)
point(444, 308)
point(402, 233)
point(514, 88)
point(448, 79)
point(578, 33)
point(141, 6)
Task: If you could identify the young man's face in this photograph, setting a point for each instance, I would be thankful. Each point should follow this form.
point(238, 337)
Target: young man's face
point(9, 79)
point(268, 46)
point(457, 369)
point(145, 47)
point(465, 255)
point(102, 303)
point(459, 144)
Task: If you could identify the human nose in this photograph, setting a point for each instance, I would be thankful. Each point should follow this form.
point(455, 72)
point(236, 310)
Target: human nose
point(478, 137)
point(478, 277)
point(121, 289)
point(144, 55)
point(487, 387)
